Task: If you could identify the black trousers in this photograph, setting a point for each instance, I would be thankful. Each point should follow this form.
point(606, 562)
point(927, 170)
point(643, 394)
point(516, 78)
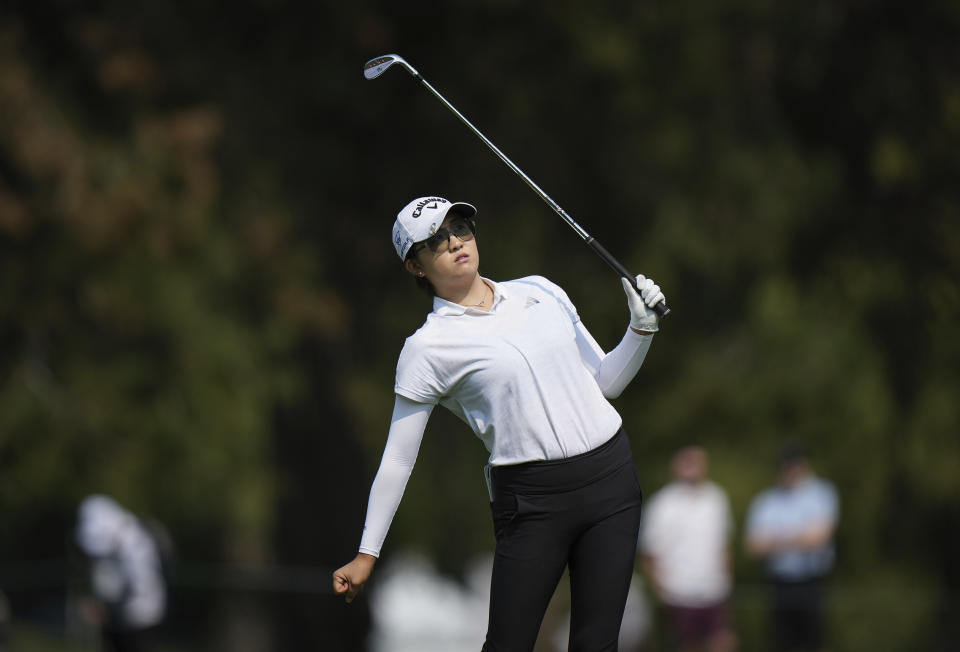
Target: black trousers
point(582, 512)
point(118, 639)
point(798, 607)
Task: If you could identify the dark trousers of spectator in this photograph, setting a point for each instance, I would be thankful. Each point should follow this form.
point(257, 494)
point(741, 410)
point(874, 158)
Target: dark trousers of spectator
point(121, 639)
point(583, 511)
point(798, 614)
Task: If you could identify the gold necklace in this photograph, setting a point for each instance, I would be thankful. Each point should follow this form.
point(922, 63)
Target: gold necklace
point(483, 301)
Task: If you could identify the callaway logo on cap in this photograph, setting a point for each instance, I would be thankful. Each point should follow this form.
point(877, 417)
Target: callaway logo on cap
point(432, 203)
point(421, 218)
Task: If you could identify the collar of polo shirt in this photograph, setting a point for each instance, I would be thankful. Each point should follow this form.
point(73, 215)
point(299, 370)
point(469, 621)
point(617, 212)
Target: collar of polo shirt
point(444, 307)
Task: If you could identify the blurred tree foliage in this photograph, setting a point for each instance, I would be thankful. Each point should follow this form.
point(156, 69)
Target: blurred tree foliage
point(201, 311)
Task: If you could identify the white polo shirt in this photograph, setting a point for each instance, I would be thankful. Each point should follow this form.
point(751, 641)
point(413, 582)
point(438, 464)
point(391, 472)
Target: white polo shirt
point(687, 530)
point(513, 374)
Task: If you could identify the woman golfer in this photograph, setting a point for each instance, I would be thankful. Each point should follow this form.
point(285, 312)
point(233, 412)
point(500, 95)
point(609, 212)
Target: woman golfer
point(514, 361)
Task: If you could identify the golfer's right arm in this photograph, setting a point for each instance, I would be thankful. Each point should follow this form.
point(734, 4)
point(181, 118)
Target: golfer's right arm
point(399, 455)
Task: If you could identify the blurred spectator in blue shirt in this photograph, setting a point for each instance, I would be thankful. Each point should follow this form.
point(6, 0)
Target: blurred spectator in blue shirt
point(791, 527)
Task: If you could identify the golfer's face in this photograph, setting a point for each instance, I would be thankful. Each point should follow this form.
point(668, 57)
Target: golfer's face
point(451, 252)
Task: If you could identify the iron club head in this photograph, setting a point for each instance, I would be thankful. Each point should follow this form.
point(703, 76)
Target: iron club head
point(378, 65)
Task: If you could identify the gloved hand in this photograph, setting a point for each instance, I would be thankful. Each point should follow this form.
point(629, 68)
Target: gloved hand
point(642, 318)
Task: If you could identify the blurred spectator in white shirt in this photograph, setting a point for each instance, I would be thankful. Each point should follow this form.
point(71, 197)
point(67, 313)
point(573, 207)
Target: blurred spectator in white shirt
point(126, 574)
point(685, 552)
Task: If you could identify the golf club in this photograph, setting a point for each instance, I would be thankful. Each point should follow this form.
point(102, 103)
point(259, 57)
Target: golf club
point(378, 65)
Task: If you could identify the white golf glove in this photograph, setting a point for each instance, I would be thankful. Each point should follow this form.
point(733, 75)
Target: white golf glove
point(642, 318)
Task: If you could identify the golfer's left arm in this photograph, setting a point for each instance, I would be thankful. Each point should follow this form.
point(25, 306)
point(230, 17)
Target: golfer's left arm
point(613, 371)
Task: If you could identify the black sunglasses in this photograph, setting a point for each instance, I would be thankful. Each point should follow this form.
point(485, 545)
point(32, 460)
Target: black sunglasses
point(439, 242)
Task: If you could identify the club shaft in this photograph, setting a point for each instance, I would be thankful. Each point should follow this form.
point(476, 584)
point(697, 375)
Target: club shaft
point(660, 308)
point(503, 157)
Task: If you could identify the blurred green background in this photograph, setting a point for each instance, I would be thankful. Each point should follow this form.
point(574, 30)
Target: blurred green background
point(200, 309)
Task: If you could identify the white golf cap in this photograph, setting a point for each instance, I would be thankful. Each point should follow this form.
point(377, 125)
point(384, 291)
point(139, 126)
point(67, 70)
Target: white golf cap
point(421, 218)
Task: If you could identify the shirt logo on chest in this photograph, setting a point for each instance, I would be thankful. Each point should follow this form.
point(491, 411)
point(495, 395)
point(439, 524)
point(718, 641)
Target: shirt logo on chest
point(531, 302)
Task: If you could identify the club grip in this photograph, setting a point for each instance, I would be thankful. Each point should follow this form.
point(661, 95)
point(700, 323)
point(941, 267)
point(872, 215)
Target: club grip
point(660, 308)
